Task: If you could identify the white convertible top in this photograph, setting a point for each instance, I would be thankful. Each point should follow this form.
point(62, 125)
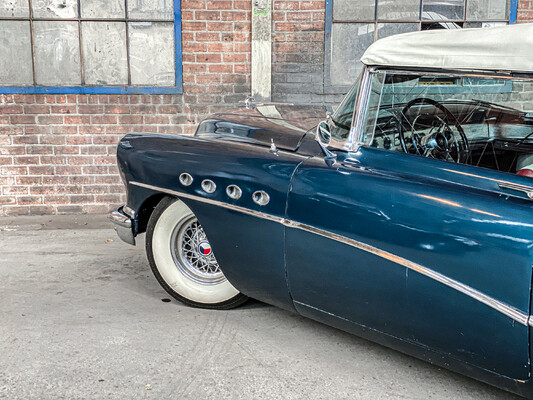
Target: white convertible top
point(499, 48)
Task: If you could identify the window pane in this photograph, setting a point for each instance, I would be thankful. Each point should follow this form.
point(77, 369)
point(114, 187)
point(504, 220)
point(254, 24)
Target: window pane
point(15, 63)
point(399, 9)
point(102, 9)
point(151, 9)
point(152, 60)
point(55, 8)
point(105, 59)
point(348, 43)
point(437, 10)
point(483, 24)
point(349, 10)
point(487, 9)
point(385, 30)
point(57, 53)
point(14, 8)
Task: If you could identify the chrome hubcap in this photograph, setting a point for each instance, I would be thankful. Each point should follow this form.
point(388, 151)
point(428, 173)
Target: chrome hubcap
point(192, 253)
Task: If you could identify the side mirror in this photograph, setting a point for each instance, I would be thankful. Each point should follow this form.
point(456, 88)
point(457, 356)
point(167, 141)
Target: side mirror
point(323, 134)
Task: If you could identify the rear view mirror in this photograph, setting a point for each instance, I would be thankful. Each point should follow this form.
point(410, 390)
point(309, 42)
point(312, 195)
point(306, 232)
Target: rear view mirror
point(323, 133)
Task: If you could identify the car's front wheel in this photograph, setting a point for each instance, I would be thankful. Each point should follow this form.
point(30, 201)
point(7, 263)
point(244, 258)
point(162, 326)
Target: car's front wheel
point(182, 260)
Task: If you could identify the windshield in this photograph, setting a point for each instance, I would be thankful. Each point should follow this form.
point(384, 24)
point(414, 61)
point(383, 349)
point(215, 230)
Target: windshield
point(482, 121)
point(342, 117)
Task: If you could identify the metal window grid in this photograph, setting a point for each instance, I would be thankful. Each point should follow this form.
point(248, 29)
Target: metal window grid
point(330, 88)
point(92, 89)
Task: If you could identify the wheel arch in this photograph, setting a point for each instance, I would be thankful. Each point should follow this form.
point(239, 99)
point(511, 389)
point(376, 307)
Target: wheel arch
point(146, 209)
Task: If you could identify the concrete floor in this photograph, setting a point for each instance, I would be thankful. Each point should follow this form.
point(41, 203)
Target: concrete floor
point(83, 318)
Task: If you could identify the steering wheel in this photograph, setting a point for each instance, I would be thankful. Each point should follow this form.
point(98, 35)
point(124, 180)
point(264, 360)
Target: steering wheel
point(432, 135)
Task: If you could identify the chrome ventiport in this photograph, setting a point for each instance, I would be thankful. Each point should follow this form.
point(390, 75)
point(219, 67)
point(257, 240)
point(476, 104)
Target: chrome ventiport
point(208, 186)
point(261, 198)
point(186, 179)
point(234, 192)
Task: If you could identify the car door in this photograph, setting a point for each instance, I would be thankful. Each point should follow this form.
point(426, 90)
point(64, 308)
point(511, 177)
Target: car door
point(430, 252)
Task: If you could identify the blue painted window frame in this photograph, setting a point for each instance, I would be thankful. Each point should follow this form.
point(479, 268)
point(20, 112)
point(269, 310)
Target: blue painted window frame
point(328, 87)
point(177, 89)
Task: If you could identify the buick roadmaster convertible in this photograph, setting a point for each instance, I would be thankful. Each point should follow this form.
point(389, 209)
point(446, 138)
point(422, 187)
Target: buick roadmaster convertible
point(405, 217)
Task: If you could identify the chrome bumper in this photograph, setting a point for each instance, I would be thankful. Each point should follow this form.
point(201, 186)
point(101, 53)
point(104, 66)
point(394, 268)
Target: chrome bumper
point(123, 221)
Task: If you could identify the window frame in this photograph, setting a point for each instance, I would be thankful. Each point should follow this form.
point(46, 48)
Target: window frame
point(115, 89)
point(329, 88)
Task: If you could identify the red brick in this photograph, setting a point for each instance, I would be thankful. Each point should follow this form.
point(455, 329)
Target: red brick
point(207, 36)
point(207, 15)
point(11, 109)
point(77, 120)
point(26, 160)
point(62, 109)
point(79, 139)
point(209, 58)
point(90, 109)
point(117, 109)
point(219, 5)
point(36, 109)
point(220, 68)
point(36, 149)
point(130, 119)
point(192, 4)
point(41, 170)
point(208, 78)
point(22, 119)
point(220, 47)
point(220, 26)
point(194, 47)
point(235, 15)
point(194, 68)
point(193, 26)
point(13, 171)
point(16, 190)
point(104, 119)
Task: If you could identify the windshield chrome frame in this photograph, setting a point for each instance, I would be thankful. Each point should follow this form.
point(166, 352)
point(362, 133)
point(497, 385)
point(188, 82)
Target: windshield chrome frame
point(354, 142)
point(361, 102)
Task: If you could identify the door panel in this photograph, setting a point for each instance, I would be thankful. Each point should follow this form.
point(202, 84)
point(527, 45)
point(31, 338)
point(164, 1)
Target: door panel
point(415, 212)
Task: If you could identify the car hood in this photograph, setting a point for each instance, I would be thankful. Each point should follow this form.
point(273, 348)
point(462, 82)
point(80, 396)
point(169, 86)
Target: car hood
point(285, 125)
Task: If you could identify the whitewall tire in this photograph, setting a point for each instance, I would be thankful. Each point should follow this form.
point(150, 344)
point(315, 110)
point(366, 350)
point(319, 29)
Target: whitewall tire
point(182, 260)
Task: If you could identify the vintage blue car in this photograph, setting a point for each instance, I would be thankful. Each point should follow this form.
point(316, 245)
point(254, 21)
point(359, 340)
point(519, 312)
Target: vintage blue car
point(404, 217)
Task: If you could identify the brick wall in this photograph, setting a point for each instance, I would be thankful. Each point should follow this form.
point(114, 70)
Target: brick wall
point(525, 11)
point(298, 52)
point(57, 153)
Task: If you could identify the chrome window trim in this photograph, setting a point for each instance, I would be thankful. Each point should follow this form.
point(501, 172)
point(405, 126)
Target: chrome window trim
point(361, 103)
point(497, 305)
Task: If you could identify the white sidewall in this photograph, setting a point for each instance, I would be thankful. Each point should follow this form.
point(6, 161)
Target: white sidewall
point(180, 283)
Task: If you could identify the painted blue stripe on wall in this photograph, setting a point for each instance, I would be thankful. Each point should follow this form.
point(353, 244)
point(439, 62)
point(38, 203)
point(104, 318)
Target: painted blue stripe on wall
point(178, 89)
point(513, 12)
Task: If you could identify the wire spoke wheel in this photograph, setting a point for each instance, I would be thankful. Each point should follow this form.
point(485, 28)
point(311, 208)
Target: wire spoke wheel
point(182, 259)
point(192, 253)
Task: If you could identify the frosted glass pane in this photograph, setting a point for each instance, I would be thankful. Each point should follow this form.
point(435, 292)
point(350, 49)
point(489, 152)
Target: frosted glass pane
point(57, 53)
point(152, 60)
point(348, 43)
point(399, 9)
point(354, 10)
point(437, 10)
point(14, 8)
point(55, 9)
point(15, 63)
point(105, 59)
point(385, 30)
point(151, 9)
point(487, 9)
point(102, 9)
